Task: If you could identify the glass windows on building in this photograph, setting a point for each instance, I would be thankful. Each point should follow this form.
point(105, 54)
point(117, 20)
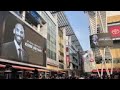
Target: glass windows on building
point(33, 18)
point(51, 36)
point(71, 50)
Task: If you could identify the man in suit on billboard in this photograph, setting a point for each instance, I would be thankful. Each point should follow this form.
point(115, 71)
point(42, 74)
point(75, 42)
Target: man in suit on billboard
point(94, 41)
point(14, 50)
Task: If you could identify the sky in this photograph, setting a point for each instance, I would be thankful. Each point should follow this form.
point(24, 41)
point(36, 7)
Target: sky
point(79, 22)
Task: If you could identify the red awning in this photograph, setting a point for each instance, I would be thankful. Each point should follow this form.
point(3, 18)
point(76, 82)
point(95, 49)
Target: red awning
point(2, 66)
point(21, 67)
point(42, 70)
point(17, 67)
point(24, 68)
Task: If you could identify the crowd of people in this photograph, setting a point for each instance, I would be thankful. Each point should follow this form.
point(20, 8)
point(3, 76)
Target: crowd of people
point(62, 77)
point(91, 76)
point(41, 75)
point(115, 75)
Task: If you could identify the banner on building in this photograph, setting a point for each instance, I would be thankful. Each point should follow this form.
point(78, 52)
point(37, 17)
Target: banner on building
point(20, 42)
point(105, 40)
point(101, 40)
point(68, 61)
point(89, 61)
point(94, 41)
point(114, 31)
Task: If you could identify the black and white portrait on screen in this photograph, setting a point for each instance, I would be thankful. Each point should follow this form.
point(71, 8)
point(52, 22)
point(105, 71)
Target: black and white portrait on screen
point(14, 49)
point(94, 41)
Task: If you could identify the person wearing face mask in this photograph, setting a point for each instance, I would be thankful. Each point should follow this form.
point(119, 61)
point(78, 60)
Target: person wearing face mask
point(14, 50)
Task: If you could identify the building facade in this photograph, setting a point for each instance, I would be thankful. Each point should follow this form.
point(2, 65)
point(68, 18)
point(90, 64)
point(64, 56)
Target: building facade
point(73, 55)
point(106, 22)
point(61, 48)
point(69, 44)
point(25, 25)
point(52, 29)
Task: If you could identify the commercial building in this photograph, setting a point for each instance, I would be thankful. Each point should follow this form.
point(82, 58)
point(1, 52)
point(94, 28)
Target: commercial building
point(61, 48)
point(106, 22)
point(72, 58)
point(22, 28)
point(51, 36)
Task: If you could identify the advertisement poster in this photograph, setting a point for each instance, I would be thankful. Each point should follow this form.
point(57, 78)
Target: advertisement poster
point(101, 40)
point(105, 40)
point(20, 42)
point(114, 31)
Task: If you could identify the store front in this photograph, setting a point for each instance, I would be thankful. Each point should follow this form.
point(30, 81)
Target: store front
point(53, 69)
point(11, 71)
point(24, 55)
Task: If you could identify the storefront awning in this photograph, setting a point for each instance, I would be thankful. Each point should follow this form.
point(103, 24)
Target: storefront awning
point(21, 67)
point(2, 66)
point(42, 70)
point(52, 68)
